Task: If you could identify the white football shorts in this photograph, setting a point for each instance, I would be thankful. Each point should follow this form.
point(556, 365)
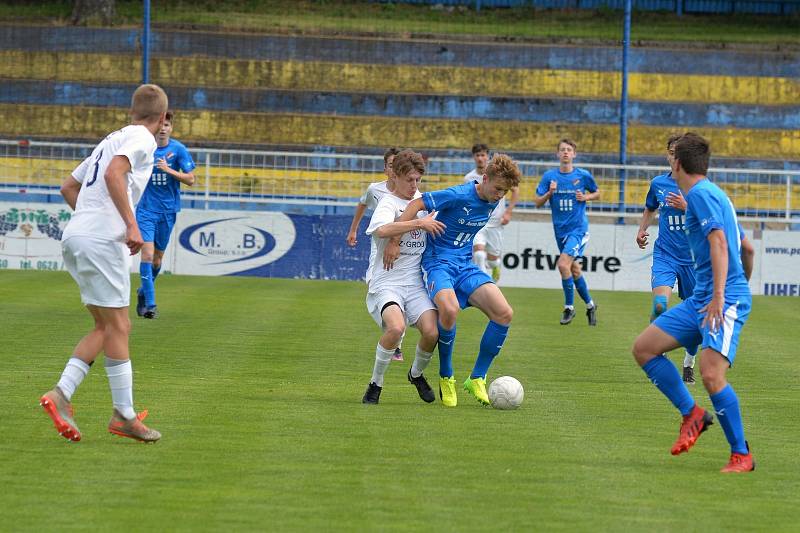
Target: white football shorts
point(491, 238)
point(101, 268)
point(413, 301)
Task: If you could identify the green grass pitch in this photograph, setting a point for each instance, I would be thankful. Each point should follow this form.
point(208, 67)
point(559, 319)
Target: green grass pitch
point(256, 385)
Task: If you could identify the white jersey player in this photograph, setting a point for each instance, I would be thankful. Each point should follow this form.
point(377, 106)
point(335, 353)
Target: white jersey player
point(396, 297)
point(97, 244)
point(369, 200)
point(487, 245)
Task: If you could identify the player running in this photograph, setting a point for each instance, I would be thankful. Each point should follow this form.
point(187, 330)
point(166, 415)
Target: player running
point(97, 244)
point(566, 190)
point(157, 211)
point(397, 297)
point(487, 246)
point(454, 282)
point(712, 317)
point(672, 257)
point(369, 200)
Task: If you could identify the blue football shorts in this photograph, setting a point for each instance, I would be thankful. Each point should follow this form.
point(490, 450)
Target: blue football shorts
point(572, 244)
point(463, 278)
point(684, 323)
point(155, 227)
point(665, 273)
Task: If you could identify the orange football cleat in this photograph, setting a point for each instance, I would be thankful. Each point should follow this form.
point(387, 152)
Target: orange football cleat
point(696, 422)
point(133, 429)
point(60, 412)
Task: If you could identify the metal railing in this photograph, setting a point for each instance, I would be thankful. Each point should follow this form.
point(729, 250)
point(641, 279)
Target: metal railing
point(261, 177)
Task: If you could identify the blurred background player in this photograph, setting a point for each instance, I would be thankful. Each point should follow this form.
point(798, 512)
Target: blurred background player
point(487, 246)
point(97, 245)
point(369, 200)
point(454, 282)
point(568, 188)
point(158, 209)
point(396, 297)
point(713, 316)
point(672, 257)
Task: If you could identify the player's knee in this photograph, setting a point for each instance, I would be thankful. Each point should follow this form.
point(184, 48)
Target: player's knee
point(575, 269)
point(564, 267)
point(504, 316)
point(641, 351)
point(393, 333)
point(447, 317)
point(713, 380)
point(660, 304)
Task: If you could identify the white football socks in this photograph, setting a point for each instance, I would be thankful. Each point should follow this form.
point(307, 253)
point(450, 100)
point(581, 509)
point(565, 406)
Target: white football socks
point(382, 359)
point(72, 376)
point(421, 361)
point(120, 379)
point(688, 360)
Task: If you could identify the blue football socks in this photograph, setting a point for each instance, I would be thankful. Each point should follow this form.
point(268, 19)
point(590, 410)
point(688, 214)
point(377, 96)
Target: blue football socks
point(447, 338)
point(493, 338)
point(726, 405)
point(569, 291)
point(665, 376)
point(583, 290)
point(149, 290)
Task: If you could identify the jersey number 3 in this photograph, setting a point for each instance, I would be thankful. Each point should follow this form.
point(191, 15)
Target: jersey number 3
point(96, 169)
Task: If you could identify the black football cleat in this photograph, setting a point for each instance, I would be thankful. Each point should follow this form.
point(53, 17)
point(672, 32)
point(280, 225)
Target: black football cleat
point(591, 315)
point(373, 394)
point(688, 375)
point(150, 312)
point(423, 389)
point(567, 316)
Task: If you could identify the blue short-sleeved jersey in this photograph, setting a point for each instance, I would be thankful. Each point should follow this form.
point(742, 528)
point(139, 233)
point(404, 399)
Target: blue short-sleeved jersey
point(569, 215)
point(711, 209)
point(464, 213)
point(163, 192)
point(671, 243)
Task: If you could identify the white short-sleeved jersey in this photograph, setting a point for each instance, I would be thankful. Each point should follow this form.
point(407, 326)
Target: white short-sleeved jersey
point(497, 214)
point(406, 270)
point(371, 197)
point(95, 214)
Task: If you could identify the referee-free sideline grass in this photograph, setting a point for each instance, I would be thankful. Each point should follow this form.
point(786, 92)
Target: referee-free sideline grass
point(256, 386)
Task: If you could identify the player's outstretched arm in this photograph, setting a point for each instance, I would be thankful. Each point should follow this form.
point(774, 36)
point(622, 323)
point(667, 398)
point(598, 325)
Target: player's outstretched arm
point(357, 216)
point(748, 254)
point(410, 213)
point(69, 190)
point(641, 235)
point(427, 223)
point(117, 184)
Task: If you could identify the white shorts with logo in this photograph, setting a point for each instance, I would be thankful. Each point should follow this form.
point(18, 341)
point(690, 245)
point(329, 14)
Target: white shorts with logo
point(491, 238)
point(101, 269)
point(413, 301)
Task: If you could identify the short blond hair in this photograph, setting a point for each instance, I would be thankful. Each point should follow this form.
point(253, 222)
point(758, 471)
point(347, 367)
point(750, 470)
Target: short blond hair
point(148, 103)
point(503, 167)
point(408, 161)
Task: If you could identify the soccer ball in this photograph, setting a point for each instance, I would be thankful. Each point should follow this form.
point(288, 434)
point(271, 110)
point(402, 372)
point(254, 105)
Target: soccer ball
point(506, 393)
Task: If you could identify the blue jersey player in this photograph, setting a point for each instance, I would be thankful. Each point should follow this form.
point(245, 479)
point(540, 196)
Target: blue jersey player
point(454, 282)
point(158, 209)
point(568, 189)
point(672, 258)
point(713, 316)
